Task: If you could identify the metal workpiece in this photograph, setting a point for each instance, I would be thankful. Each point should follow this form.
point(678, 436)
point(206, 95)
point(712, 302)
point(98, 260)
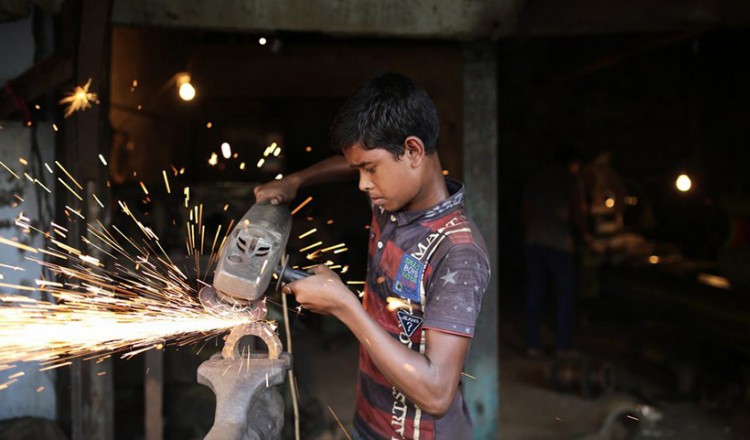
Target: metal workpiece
point(249, 405)
point(252, 252)
point(256, 310)
point(261, 329)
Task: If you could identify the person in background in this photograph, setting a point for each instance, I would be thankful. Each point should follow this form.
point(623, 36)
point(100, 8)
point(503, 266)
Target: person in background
point(554, 216)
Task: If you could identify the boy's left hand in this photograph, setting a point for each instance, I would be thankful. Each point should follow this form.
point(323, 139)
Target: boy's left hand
point(323, 292)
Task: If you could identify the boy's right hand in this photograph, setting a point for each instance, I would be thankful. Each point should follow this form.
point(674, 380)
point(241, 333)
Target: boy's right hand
point(323, 292)
point(276, 191)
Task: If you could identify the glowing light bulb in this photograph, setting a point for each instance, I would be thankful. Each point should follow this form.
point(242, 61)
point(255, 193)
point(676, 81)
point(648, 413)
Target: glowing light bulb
point(262, 41)
point(610, 202)
point(683, 183)
point(186, 90)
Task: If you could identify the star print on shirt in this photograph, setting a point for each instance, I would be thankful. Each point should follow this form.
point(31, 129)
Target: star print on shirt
point(449, 277)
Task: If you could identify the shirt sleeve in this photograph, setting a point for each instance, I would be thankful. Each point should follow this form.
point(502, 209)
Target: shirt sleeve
point(455, 289)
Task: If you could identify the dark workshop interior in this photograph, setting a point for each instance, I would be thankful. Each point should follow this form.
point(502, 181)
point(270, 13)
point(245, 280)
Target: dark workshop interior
point(133, 133)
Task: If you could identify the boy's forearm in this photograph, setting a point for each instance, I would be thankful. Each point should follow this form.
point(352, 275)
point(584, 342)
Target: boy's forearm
point(332, 169)
point(431, 385)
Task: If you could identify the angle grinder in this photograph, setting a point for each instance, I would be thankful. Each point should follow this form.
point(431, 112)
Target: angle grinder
point(248, 260)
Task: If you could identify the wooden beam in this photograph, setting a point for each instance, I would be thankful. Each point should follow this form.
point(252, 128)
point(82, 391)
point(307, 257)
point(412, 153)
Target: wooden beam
point(480, 177)
point(93, 62)
point(86, 33)
point(582, 17)
point(154, 394)
point(455, 19)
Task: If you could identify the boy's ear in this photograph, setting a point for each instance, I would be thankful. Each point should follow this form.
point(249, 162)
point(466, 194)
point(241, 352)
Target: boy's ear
point(414, 150)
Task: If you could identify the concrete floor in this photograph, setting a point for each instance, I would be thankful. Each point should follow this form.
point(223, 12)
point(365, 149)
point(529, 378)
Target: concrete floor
point(531, 410)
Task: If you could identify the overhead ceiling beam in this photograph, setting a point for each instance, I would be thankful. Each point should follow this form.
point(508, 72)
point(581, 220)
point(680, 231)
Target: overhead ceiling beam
point(443, 19)
point(11, 10)
point(450, 19)
point(582, 17)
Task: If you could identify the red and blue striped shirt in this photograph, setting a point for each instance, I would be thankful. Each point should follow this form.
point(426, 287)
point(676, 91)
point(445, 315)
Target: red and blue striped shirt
point(426, 270)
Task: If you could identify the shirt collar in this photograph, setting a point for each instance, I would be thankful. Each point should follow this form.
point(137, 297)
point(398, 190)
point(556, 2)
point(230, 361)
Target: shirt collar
point(454, 201)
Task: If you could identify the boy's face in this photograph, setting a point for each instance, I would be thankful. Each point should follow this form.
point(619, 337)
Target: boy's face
point(391, 184)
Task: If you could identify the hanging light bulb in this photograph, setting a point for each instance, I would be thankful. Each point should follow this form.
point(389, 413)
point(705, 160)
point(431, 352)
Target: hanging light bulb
point(186, 90)
point(683, 183)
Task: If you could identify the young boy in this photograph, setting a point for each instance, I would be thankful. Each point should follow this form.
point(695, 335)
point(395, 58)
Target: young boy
point(427, 266)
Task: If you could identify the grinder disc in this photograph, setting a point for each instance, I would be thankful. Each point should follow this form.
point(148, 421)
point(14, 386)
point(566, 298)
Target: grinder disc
point(214, 302)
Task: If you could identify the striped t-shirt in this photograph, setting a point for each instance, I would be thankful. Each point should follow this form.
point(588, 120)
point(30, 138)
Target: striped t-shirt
point(426, 270)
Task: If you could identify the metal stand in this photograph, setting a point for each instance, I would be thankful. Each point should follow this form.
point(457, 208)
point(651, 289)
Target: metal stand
point(249, 405)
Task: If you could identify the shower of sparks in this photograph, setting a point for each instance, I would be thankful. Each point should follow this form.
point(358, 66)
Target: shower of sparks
point(70, 189)
point(59, 165)
point(270, 149)
point(166, 182)
point(119, 293)
point(89, 323)
point(226, 150)
point(336, 246)
point(138, 301)
point(99, 202)
point(9, 170)
point(145, 300)
point(301, 205)
point(213, 160)
point(314, 245)
point(79, 99)
point(313, 255)
point(311, 231)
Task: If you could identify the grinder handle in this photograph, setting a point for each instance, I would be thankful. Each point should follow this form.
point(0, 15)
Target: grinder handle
point(288, 275)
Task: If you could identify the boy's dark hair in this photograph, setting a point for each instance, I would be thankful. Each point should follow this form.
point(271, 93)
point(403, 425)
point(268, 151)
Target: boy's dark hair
point(383, 113)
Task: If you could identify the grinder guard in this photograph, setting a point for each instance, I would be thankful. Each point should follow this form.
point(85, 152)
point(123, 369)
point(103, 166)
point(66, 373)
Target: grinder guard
point(250, 256)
